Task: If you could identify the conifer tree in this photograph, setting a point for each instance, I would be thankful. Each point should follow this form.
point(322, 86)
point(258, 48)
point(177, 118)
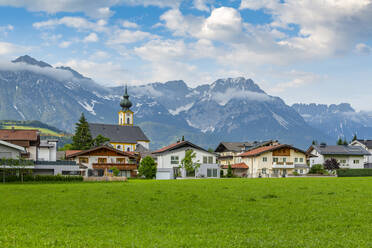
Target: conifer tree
point(82, 140)
point(339, 142)
point(355, 137)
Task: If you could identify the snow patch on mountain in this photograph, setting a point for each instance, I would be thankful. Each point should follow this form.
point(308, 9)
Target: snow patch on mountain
point(280, 120)
point(88, 107)
point(180, 109)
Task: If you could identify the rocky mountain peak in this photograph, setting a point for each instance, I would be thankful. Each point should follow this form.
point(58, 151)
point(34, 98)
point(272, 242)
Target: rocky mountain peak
point(31, 61)
point(239, 83)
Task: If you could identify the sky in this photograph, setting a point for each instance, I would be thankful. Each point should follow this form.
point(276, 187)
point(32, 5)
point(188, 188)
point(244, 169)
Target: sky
point(300, 50)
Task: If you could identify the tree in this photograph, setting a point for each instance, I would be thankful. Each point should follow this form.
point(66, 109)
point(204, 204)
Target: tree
point(147, 167)
point(315, 142)
point(345, 143)
point(115, 171)
point(188, 162)
point(66, 147)
point(229, 171)
point(340, 142)
point(317, 169)
point(82, 140)
point(355, 137)
point(99, 140)
point(331, 164)
point(210, 150)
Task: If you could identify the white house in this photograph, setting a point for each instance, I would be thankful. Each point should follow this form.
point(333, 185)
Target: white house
point(169, 162)
point(367, 145)
point(9, 150)
point(47, 150)
point(348, 156)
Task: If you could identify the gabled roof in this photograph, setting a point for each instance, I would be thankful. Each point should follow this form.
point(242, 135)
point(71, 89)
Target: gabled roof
point(118, 133)
point(18, 134)
point(82, 153)
point(177, 146)
point(19, 148)
point(367, 143)
point(240, 146)
point(339, 150)
point(263, 149)
point(237, 166)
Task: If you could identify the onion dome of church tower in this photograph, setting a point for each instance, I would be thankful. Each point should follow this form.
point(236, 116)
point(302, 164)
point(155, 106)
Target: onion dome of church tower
point(125, 102)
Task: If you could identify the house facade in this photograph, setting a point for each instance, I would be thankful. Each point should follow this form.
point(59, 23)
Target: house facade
point(351, 157)
point(228, 151)
point(29, 139)
point(274, 161)
point(169, 162)
point(367, 145)
point(124, 136)
point(99, 161)
point(47, 150)
point(12, 151)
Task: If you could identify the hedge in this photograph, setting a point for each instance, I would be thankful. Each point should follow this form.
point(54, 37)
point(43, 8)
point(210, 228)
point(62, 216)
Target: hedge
point(43, 178)
point(354, 172)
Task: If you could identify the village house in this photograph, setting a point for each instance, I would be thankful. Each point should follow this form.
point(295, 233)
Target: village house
point(274, 161)
point(11, 151)
point(367, 145)
point(28, 139)
point(169, 162)
point(125, 136)
point(100, 160)
point(348, 156)
point(228, 151)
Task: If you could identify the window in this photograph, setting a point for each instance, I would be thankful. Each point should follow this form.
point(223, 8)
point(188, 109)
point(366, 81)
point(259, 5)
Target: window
point(210, 160)
point(275, 160)
point(128, 120)
point(205, 159)
point(174, 160)
point(264, 159)
point(264, 171)
point(343, 161)
point(119, 147)
point(301, 171)
point(284, 160)
point(120, 160)
point(214, 172)
point(128, 149)
point(356, 161)
point(211, 172)
point(296, 160)
point(301, 160)
point(102, 160)
point(83, 160)
point(276, 171)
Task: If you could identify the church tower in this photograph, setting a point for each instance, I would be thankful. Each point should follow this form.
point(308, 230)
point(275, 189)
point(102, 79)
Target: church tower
point(125, 114)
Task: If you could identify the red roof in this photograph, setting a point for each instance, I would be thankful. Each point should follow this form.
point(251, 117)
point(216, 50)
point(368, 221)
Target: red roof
point(79, 153)
point(237, 166)
point(71, 152)
point(18, 134)
point(169, 147)
point(260, 150)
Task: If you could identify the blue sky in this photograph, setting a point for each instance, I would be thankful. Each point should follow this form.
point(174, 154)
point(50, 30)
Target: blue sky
point(301, 50)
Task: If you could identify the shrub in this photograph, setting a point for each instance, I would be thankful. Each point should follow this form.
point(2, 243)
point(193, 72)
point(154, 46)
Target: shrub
point(147, 168)
point(44, 178)
point(295, 173)
point(316, 169)
point(229, 171)
point(354, 172)
point(115, 171)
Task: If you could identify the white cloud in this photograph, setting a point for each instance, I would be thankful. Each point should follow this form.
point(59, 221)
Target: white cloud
point(5, 29)
point(363, 49)
point(60, 75)
point(9, 48)
point(65, 44)
point(224, 97)
point(125, 36)
point(202, 5)
point(99, 55)
point(92, 37)
point(128, 24)
point(78, 23)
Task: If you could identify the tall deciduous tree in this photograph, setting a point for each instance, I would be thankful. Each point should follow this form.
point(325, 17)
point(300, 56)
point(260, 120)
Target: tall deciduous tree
point(82, 140)
point(147, 167)
point(188, 162)
point(99, 140)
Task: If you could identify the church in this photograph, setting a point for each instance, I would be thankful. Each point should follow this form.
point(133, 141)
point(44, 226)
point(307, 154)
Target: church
point(125, 136)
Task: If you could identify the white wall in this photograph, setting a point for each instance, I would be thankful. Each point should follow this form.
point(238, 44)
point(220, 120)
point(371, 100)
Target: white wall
point(368, 158)
point(349, 160)
point(164, 159)
point(48, 153)
point(144, 144)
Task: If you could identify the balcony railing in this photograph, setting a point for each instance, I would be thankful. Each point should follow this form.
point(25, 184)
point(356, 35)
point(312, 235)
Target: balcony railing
point(283, 165)
point(120, 166)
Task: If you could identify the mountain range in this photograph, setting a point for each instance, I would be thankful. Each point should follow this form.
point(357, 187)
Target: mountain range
point(231, 109)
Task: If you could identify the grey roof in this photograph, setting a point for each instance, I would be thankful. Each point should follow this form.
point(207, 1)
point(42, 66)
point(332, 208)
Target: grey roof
point(144, 152)
point(241, 146)
point(341, 150)
point(367, 143)
point(118, 133)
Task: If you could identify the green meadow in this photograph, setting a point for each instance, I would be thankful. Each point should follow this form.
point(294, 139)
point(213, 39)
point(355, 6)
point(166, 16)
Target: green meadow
point(291, 212)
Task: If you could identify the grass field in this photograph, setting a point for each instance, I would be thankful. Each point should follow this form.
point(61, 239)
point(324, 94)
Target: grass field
point(293, 212)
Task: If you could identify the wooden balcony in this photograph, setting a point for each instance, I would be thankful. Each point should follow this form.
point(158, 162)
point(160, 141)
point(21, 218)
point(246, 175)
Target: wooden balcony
point(120, 166)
